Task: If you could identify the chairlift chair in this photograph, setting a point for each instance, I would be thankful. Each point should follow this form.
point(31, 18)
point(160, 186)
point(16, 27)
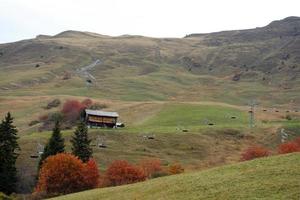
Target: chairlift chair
point(101, 143)
point(151, 137)
point(39, 151)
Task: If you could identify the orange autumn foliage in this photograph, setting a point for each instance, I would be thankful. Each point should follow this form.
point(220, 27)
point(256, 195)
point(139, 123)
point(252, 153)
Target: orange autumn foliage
point(121, 172)
point(64, 173)
point(254, 152)
point(91, 174)
point(150, 166)
point(175, 168)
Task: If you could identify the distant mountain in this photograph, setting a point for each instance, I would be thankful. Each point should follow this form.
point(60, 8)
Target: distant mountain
point(227, 66)
point(287, 27)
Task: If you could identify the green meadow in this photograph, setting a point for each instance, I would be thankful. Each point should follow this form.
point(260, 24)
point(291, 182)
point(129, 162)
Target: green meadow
point(275, 177)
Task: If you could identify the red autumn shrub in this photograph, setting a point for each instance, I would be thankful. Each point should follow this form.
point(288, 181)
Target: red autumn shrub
point(297, 141)
point(254, 152)
point(103, 182)
point(150, 166)
point(72, 109)
point(288, 147)
point(64, 173)
point(121, 172)
point(175, 168)
point(91, 174)
point(87, 102)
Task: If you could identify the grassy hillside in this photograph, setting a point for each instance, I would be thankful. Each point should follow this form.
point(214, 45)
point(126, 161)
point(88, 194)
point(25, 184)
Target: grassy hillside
point(275, 177)
point(232, 67)
point(160, 87)
point(202, 146)
point(156, 116)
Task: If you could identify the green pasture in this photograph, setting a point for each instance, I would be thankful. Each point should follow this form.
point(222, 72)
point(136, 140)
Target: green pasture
point(275, 177)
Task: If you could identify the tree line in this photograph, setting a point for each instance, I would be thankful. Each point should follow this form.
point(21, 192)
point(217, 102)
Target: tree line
point(10, 150)
point(60, 172)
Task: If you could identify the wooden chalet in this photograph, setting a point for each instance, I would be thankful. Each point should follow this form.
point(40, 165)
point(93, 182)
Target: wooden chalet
point(99, 118)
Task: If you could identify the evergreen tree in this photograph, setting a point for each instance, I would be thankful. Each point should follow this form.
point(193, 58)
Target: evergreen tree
point(81, 143)
point(8, 155)
point(55, 144)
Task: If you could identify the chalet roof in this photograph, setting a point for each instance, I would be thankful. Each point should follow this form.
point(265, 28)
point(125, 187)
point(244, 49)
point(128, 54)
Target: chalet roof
point(101, 113)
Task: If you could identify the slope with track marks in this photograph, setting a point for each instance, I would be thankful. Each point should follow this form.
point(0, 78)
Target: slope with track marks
point(230, 66)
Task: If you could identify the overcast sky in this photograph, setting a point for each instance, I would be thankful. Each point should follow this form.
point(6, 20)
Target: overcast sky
point(23, 19)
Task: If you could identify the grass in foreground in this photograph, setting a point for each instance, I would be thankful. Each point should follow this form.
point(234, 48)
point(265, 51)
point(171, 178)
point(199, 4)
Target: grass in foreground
point(275, 177)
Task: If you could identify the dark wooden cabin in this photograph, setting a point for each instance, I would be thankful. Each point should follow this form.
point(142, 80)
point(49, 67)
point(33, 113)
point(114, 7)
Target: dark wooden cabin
point(99, 118)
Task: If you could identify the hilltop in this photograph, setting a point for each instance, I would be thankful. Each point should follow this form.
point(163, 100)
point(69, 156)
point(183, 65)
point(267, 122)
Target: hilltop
point(230, 66)
point(276, 177)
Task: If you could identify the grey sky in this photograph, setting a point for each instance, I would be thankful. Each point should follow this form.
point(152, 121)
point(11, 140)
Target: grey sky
point(22, 19)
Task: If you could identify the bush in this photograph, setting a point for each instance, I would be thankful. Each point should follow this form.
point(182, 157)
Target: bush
point(71, 110)
point(175, 168)
point(52, 104)
point(254, 152)
point(91, 174)
point(120, 172)
point(55, 116)
point(52, 117)
point(70, 113)
point(151, 167)
point(49, 119)
point(288, 147)
point(64, 173)
point(297, 141)
point(87, 103)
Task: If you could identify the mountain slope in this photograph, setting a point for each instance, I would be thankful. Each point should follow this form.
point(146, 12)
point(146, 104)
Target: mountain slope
point(219, 66)
point(276, 177)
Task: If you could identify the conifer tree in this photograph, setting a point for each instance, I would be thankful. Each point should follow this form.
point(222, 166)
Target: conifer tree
point(8, 155)
point(55, 144)
point(81, 143)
